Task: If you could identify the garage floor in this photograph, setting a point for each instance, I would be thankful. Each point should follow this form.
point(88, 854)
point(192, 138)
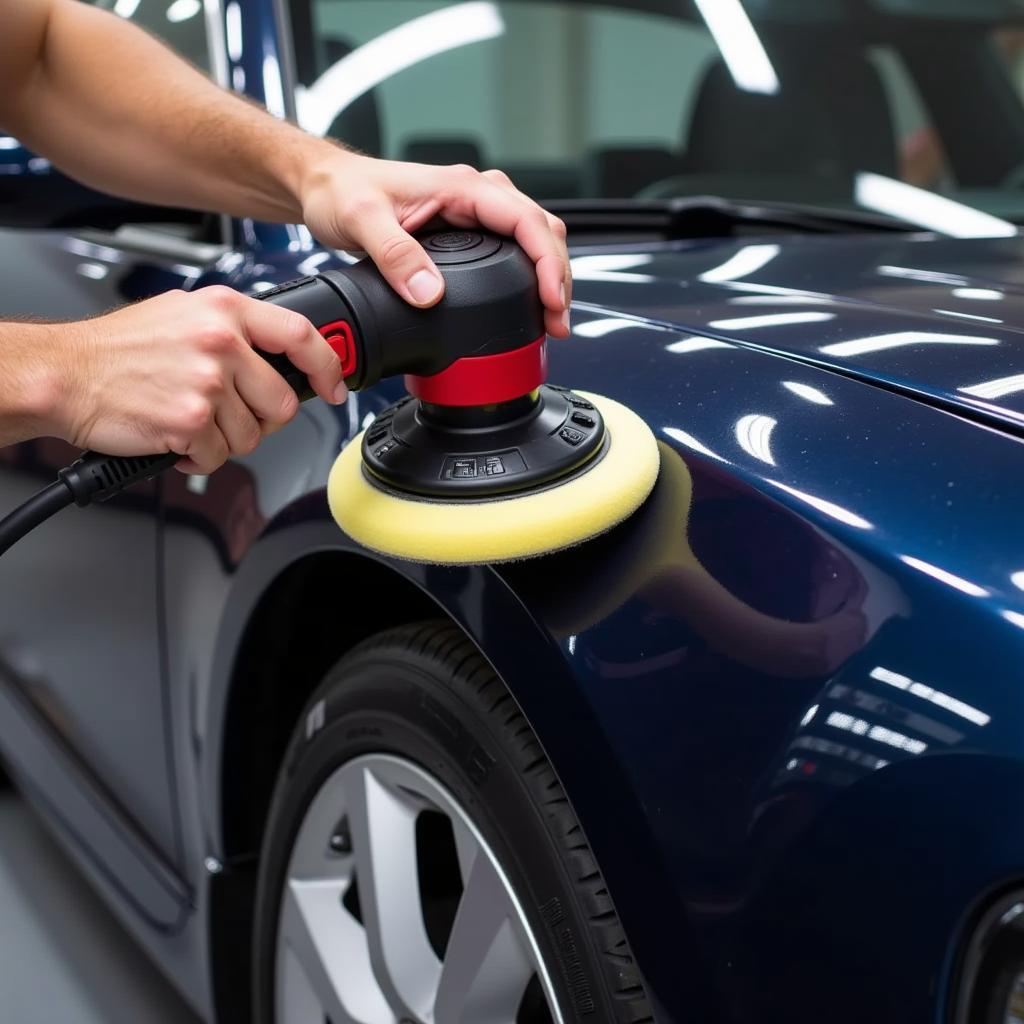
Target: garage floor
point(63, 958)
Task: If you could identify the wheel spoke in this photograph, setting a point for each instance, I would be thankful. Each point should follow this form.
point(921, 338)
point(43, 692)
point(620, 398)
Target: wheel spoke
point(383, 823)
point(486, 968)
point(353, 945)
point(467, 846)
point(329, 946)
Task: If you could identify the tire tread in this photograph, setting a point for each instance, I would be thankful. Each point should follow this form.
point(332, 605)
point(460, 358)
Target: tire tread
point(454, 655)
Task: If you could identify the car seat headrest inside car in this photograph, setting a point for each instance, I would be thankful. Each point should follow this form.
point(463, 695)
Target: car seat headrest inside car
point(830, 117)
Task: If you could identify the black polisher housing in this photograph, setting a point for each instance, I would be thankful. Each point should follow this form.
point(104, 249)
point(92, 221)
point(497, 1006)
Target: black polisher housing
point(480, 422)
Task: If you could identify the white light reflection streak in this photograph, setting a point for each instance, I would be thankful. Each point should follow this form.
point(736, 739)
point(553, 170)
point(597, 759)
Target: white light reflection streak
point(928, 693)
point(996, 388)
point(692, 443)
point(754, 436)
point(900, 339)
point(926, 209)
point(94, 271)
point(273, 90)
point(969, 316)
point(956, 582)
point(879, 733)
point(310, 263)
point(610, 267)
point(1015, 617)
point(684, 345)
point(1017, 579)
point(745, 261)
point(740, 46)
point(797, 299)
point(233, 30)
point(391, 52)
point(606, 325)
point(126, 8)
point(808, 393)
point(182, 10)
point(916, 274)
point(984, 294)
point(771, 320)
point(843, 515)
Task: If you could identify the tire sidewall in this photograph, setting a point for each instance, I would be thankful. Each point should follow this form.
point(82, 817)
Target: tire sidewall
point(382, 702)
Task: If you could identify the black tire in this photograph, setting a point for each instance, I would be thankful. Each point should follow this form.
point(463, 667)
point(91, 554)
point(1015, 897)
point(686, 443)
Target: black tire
point(424, 692)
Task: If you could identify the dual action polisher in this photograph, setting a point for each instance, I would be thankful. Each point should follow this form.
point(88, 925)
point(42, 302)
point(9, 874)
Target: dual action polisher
point(483, 461)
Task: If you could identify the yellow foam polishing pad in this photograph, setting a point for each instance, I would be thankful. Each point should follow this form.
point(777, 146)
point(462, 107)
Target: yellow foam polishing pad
point(520, 526)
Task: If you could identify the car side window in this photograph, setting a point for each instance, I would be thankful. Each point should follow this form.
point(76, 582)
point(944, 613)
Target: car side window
point(605, 128)
point(179, 23)
point(922, 160)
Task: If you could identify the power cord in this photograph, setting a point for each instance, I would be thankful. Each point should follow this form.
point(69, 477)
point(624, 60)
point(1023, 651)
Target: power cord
point(91, 478)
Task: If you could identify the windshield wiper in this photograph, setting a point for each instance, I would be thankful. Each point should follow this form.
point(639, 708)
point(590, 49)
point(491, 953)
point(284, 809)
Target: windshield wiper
point(711, 217)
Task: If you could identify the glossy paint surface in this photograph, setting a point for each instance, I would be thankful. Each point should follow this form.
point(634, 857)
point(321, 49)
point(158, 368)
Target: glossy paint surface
point(788, 706)
point(820, 714)
point(939, 318)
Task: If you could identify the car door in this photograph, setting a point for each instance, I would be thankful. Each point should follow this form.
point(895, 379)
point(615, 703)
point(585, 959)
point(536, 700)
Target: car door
point(80, 632)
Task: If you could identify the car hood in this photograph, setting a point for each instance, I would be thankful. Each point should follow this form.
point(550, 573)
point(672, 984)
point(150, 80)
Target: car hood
point(939, 319)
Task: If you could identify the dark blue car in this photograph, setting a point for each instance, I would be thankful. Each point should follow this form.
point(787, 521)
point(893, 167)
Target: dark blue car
point(755, 755)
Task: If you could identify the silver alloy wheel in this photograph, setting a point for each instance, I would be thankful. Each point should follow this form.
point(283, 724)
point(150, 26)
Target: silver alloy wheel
point(356, 943)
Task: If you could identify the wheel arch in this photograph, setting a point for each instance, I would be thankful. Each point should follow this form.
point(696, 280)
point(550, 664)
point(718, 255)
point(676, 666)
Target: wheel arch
point(299, 605)
point(303, 597)
point(300, 626)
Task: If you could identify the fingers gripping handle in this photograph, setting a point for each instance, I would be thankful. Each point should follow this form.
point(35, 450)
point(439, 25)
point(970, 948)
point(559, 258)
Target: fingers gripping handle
point(491, 309)
point(332, 316)
point(96, 477)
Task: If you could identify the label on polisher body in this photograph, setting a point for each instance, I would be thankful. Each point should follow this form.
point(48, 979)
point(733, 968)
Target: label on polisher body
point(491, 464)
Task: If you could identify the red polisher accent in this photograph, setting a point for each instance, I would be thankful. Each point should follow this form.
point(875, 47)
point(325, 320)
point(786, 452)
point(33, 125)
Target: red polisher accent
point(339, 336)
point(485, 380)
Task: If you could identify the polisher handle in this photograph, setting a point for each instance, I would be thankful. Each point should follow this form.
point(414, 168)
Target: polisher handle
point(330, 314)
point(482, 343)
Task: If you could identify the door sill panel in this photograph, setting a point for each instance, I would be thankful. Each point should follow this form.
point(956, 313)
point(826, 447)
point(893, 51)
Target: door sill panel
point(85, 816)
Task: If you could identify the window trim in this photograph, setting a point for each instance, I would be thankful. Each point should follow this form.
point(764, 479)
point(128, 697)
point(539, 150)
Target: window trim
point(286, 57)
point(213, 16)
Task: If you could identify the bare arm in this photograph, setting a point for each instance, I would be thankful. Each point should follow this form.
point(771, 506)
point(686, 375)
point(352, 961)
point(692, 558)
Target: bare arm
point(175, 373)
point(30, 380)
point(116, 109)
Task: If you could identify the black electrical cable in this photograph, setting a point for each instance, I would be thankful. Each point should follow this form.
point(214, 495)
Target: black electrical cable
point(48, 502)
point(93, 477)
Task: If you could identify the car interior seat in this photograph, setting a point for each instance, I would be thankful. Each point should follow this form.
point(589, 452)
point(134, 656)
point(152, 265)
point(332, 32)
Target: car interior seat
point(622, 171)
point(453, 149)
point(830, 117)
point(359, 125)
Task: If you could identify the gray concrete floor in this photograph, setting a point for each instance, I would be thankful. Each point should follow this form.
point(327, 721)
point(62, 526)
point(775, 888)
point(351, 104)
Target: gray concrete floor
point(64, 959)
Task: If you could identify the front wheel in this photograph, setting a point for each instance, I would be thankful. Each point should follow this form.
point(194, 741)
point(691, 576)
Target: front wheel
point(422, 864)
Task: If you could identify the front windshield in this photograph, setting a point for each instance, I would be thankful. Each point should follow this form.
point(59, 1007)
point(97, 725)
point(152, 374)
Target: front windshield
point(883, 105)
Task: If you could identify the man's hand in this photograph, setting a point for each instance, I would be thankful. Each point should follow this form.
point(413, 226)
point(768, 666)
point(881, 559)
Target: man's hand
point(179, 373)
point(355, 202)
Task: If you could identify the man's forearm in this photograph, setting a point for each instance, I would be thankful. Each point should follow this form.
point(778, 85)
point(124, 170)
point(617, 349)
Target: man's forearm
point(117, 110)
point(31, 381)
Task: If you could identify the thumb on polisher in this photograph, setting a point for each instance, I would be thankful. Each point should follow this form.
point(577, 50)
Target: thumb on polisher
point(400, 258)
